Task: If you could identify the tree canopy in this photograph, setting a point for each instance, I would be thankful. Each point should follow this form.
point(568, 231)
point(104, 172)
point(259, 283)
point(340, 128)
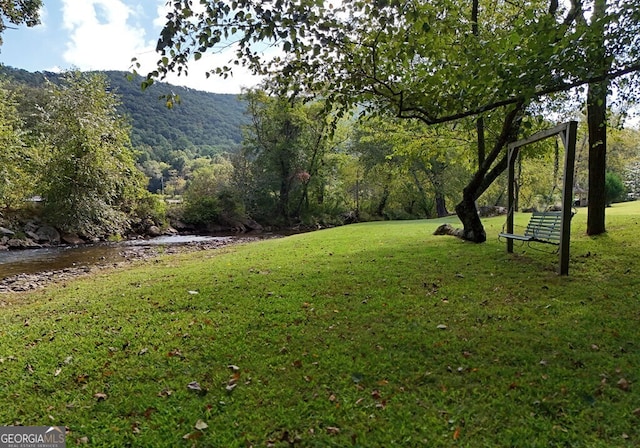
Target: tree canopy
point(420, 59)
point(18, 12)
point(89, 180)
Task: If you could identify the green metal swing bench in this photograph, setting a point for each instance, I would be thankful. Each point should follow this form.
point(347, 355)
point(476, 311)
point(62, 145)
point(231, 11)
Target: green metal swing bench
point(543, 227)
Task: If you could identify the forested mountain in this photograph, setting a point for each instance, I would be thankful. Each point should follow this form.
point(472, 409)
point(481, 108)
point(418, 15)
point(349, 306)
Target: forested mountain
point(201, 124)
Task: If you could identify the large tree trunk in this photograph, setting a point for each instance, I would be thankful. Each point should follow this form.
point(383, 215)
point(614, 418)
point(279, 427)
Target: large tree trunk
point(596, 120)
point(597, 123)
point(473, 230)
point(493, 165)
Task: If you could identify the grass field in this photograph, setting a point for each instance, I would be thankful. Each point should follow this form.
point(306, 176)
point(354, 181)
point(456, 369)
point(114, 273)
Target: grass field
point(370, 335)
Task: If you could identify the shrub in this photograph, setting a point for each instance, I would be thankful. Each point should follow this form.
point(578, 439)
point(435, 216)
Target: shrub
point(615, 189)
point(201, 211)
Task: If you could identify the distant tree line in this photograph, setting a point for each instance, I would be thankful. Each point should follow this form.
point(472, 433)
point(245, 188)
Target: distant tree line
point(296, 162)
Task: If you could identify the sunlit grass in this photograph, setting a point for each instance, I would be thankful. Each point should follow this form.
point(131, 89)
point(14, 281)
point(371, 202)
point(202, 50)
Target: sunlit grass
point(376, 334)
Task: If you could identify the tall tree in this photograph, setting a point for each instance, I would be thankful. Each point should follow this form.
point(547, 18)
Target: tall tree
point(286, 142)
point(597, 120)
point(90, 182)
point(422, 60)
point(16, 180)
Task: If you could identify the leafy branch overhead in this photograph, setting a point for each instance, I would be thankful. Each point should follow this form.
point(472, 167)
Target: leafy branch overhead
point(420, 59)
point(19, 12)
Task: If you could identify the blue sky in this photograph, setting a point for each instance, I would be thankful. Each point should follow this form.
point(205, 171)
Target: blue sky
point(104, 35)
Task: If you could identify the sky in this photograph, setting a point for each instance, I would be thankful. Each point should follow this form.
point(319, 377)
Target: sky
point(106, 35)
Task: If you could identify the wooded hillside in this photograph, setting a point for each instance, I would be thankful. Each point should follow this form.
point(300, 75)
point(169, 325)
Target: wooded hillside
point(202, 123)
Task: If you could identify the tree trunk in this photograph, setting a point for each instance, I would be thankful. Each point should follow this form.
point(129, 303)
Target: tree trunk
point(424, 206)
point(494, 164)
point(441, 205)
point(473, 230)
point(382, 204)
point(597, 124)
point(596, 121)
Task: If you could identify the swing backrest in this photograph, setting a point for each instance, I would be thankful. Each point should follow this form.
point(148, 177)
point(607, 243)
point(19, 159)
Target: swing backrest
point(545, 227)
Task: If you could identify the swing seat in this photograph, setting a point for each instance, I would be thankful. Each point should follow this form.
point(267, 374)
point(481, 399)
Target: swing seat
point(543, 227)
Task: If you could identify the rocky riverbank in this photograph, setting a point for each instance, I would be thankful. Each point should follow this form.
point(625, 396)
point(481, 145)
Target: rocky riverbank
point(129, 254)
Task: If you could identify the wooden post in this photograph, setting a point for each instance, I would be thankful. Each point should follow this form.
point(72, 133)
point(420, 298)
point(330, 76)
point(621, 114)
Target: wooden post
point(569, 140)
point(511, 190)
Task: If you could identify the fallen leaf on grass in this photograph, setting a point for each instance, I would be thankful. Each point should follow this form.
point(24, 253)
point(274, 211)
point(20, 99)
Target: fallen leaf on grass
point(624, 384)
point(82, 378)
point(143, 351)
point(82, 440)
point(194, 385)
point(100, 396)
point(193, 293)
point(192, 436)
point(456, 433)
point(58, 372)
point(441, 327)
point(233, 367)
point(200, 425)
point(333, 430)
point(165, 392)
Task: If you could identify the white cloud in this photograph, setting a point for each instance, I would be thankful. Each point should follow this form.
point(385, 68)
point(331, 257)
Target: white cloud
point(107, 34)
point(100, 36)
point(44, 16)
point(196, 78)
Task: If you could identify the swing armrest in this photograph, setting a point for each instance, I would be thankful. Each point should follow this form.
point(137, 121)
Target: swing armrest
point(511, 236)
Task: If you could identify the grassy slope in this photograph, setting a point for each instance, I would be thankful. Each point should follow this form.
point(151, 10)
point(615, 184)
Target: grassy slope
point(336, 337)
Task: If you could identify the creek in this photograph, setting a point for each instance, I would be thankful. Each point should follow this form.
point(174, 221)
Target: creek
point(32, 261)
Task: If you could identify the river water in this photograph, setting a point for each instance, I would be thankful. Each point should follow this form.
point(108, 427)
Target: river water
point(31, 261)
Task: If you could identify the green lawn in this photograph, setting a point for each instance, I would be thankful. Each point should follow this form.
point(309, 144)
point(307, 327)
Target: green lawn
point(372, 335)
